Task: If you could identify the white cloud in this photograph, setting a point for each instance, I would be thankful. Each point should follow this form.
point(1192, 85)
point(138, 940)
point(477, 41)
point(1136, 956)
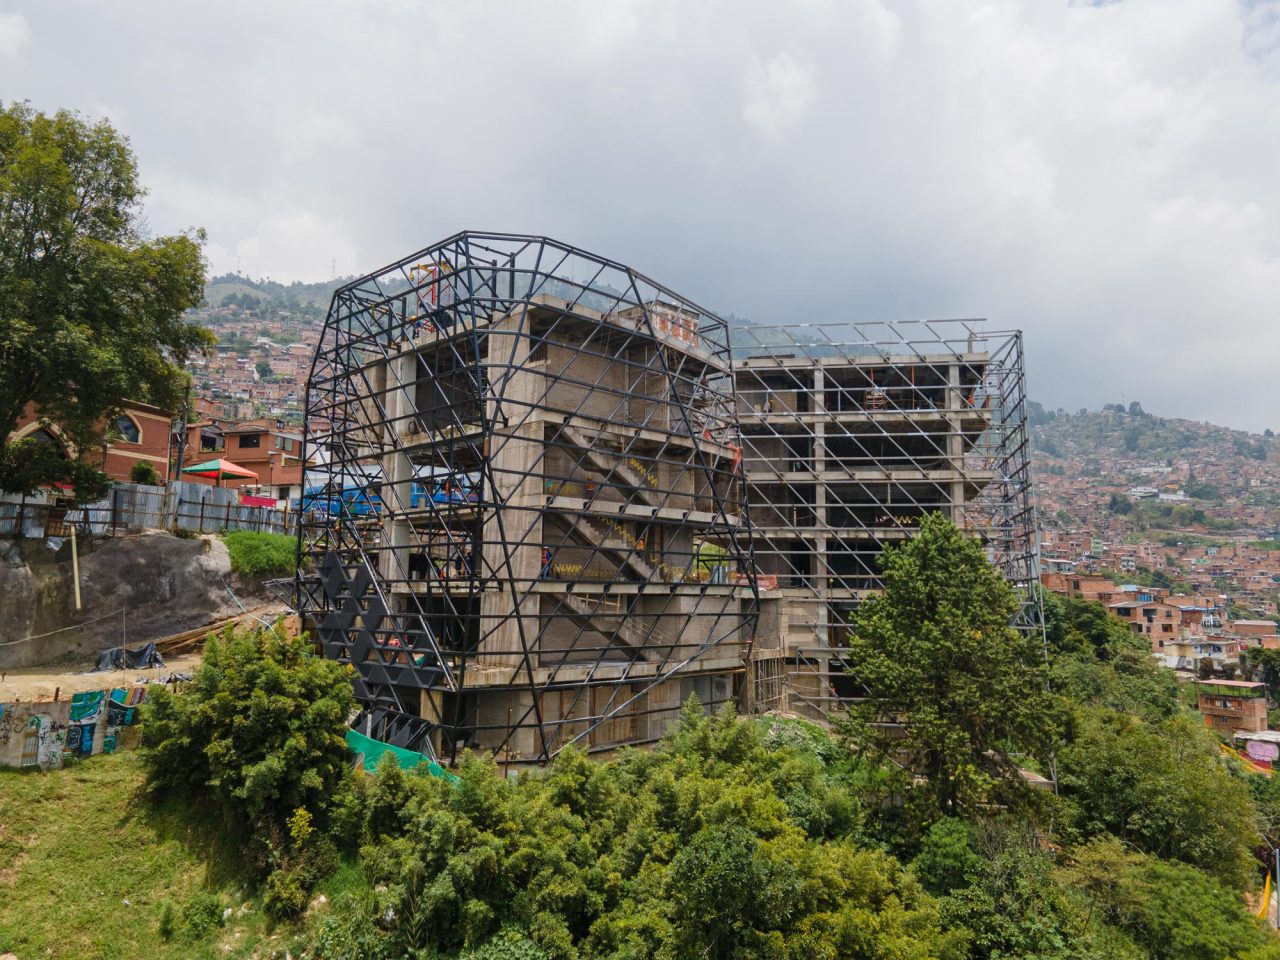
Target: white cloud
point(15, 34)
point(1100, 175)
point(779, 93)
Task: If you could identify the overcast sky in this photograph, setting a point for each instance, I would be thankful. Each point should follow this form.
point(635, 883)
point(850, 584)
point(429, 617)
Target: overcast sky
point(1104, 176)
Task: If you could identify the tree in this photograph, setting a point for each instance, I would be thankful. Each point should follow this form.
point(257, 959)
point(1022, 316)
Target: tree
point(257, 739)
point(1120, 504)
point(91, 310)
point(1015, 904)
point(937, 652)
point(1175, 911)
point(1161, 787)
point(29, 464)
point(264, 369)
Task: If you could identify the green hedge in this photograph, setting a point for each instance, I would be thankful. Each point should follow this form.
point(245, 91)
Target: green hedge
point(261, 554)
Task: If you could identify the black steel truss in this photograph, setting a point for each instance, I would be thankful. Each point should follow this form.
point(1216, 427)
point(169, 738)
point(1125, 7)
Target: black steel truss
point(527, 524)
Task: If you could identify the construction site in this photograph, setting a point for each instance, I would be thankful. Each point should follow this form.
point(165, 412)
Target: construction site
point(555, 499)
point(852, 434)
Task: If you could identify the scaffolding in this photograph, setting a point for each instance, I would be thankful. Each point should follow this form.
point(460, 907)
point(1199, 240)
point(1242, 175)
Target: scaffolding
point(852, 433)
point(527, 525)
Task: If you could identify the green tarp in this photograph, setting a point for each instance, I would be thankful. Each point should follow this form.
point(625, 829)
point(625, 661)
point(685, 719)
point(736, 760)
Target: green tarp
point(369, 754)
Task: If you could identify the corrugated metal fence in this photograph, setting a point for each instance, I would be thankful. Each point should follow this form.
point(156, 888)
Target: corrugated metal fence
point(132, 507)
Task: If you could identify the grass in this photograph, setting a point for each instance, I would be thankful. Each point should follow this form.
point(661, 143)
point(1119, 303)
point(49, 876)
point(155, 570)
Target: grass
point(261, 555)
point(90, 869)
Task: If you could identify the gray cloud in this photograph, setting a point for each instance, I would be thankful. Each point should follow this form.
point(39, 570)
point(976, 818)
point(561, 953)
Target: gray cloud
point(1102, 176)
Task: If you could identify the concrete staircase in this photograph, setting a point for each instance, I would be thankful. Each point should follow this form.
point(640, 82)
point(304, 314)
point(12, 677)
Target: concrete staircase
point(620, 552)
point(585, 612)
point(612, 466)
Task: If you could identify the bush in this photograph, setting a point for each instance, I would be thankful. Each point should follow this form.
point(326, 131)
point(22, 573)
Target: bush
point(201, 915)
point(1016, 905)
point(1175, 911)
point(347, 932)
point(144, 473)
point(947, 859)
point(285, 894)
point(257, 739)
point(714, 845)
point(1162, 788)
point(259, 555)
point(168, 922)
point(508, 944)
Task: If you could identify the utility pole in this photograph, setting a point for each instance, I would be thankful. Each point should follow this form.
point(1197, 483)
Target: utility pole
point(183, 432)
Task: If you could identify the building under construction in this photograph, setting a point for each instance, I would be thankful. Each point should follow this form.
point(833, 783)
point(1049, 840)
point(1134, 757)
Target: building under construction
point(531, 526)
point(852, 434)
point(528, 530)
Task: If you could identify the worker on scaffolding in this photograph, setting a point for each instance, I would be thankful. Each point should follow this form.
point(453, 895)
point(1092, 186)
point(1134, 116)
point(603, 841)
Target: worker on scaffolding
point(466, 562)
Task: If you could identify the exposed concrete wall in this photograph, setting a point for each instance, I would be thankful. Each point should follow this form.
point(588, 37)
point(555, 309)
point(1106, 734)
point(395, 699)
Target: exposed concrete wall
point(164, 584)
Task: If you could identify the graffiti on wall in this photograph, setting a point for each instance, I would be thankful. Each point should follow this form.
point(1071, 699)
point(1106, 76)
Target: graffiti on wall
point(43, 734)
point(122, 711)
point(51, 739)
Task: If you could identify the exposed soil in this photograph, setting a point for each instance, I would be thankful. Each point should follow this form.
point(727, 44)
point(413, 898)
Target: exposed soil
point(40, 683)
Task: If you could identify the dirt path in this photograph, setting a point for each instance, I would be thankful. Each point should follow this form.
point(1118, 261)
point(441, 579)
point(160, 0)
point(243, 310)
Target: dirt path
point(31, 684)
point(37, 683)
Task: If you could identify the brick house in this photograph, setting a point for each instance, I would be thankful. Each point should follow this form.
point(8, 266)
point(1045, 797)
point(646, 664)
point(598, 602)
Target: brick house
point(1233, 705)
point(1259, 633)
point(1085, 586)
point(139, 434)
point(264, 446)
point(1152, 618)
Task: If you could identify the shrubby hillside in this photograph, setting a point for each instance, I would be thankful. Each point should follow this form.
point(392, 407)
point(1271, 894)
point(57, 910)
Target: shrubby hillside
point(764, 837)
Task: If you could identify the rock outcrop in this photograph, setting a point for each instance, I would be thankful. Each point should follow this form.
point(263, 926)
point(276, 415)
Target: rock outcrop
point(132, 589)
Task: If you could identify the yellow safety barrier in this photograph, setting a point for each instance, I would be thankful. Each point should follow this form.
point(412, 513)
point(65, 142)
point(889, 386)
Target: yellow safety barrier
point(1246, 760)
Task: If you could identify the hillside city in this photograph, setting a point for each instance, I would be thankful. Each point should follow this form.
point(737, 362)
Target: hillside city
point(1123, 495)
point(504, 603)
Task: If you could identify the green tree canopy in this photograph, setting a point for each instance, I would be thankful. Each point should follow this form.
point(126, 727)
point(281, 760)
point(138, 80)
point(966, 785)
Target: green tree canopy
point(91, 309)
point(1163, 788)
point(718, 844)
point(937, 653)
point(257, 738)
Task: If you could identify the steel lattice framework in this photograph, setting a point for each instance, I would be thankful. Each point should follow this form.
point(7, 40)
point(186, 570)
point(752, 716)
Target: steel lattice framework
point(527, 527)
point(852, 433)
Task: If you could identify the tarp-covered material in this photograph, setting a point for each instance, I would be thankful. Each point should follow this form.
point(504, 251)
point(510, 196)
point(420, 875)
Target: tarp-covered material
point(118, 658)
point(369, 754)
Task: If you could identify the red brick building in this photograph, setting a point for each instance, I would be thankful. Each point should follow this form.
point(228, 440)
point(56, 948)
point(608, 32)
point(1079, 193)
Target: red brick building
point(1085, 586)
point(1257, 633)
point(1232, 705)
point(1151, 618)
point(140, 434)
point(263, 446)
